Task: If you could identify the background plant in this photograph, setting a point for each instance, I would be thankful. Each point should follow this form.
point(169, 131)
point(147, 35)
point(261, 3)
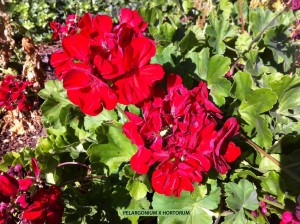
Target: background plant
point(246, 55)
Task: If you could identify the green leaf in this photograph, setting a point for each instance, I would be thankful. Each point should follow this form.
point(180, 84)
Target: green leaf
point(219, 31)
point(254, 103)
point(278, 41)
point(213, 71)
point(163, 33)
point(241, 196)
point(137, 189)
point(56, 107)
point(261, 100)
point(226, 6)
point(236, 218)
point(290, 101)
point(280, 83)
point(266, 165)
point(92, 122)
point(119, 149)
point(164, 55)
point(259, 18)
point(273, 184)
point(199, 206)
point(243, 85)
point(134, 204)
point(218, 85)
point(188, 41)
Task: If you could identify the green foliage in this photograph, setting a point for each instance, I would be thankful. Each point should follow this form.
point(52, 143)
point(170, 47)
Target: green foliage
point(239, 197)
point(252, 74)
point(117, 150)
point(199, 205)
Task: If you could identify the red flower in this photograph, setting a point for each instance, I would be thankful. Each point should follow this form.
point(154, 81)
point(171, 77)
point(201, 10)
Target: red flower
point(45, 207)
point(60, 31)
point(12, 93)
point(103, 64)
point(179, 132)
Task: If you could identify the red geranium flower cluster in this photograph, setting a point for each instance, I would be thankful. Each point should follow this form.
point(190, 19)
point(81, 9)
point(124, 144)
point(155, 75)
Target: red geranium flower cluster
point(70, 27)
point(102, 64)
point(13, 93)
point(179, 132)
point(26, 199)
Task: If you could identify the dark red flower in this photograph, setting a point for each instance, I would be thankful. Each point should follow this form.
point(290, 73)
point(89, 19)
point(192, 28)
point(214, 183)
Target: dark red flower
point(8, 187)
point(46, 207)
point(13, 93)
point(70, 27)
point(179, 132)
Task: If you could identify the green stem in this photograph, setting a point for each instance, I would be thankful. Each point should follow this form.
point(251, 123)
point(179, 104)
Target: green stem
point(271, 203)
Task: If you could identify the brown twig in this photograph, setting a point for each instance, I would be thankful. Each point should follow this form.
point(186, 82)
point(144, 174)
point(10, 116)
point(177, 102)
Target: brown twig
point(241, 15)
point(204, 14)
point(272, 159)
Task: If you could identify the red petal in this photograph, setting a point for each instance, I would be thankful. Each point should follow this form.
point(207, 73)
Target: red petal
point(77, 79)
point(35, 212)
point(35, 167)
point(21, 200)
point(131, 89)
point(172, 183)
point(138, 53)
point(131, 132)
point(232, 152)
point(140, 159)
point(8, 185)
point(151, 73)
point(173, 81)
point(102, 24)
point(76, 46)
point(87, 100)
point(186, 184)
point(158, 181)
point(86, 24)
point(24, 184)
point(55, 216)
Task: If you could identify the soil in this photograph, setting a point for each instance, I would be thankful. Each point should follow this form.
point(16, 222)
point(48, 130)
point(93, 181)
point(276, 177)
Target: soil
point(21, 129)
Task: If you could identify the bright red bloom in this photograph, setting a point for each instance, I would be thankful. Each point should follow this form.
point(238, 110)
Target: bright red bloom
point(179, 131)
point(46, 207)
point(102, 64)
